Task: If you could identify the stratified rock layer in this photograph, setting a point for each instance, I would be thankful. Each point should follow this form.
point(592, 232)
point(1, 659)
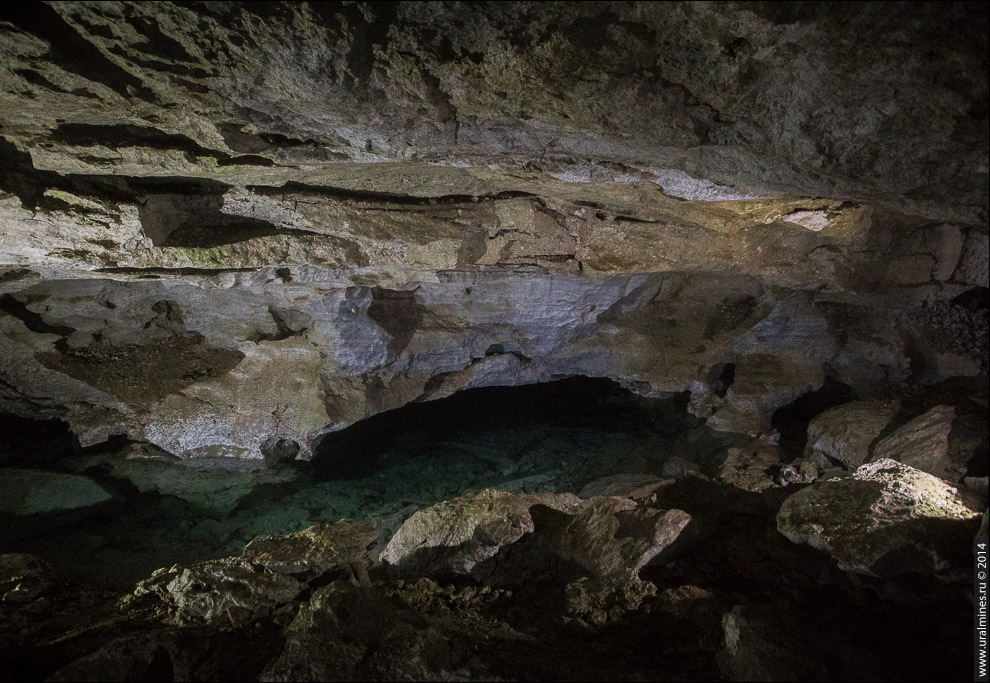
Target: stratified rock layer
point(227, 230)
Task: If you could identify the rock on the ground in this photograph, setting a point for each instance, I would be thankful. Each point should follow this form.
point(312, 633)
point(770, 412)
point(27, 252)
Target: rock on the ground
point(886, 519)
point(409, 632)
point(844, 433)
point(922, 443)
point(222, 593)
point(611, 539)
point(23, 577)
point(454, 536)
point(314, 551)
point(28, 492)
point(181, 654)
point(800, 471)
point(751, 467)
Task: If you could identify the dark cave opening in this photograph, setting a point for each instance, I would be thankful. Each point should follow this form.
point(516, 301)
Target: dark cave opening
point(573, 402)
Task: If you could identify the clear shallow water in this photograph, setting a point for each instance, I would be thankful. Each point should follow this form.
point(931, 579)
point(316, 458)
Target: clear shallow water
point(555, 437)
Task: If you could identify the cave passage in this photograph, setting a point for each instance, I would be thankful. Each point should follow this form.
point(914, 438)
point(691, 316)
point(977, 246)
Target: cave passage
point(553, 437)
point(502, 423)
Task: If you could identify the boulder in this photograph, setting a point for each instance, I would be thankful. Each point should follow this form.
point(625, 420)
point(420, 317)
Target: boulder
point(635, 486)
point(762, 644)
point(922, 443)
point(411, 631)
point(173, 654)
point(455, 535)
point(844, 433)
point(886, 519)
point(751, 467)
point(316, 550)
point(677, 467)
point(801, 471)
point(610, 536)
point(611, 540)
point(222, 593)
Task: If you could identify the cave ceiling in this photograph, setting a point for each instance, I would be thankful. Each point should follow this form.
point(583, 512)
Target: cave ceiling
point(226, 223)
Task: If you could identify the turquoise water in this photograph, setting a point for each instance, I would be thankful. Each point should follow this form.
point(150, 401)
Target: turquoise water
point(556, 437)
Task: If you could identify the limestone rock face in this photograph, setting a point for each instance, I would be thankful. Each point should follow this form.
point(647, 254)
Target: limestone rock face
point(845, 433)
point(227, 230)
point(887, 519)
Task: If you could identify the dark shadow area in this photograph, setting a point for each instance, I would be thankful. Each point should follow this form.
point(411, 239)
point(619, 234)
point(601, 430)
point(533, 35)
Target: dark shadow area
point(572, 402)
point(33, 321)
point(792, 420)
point(72, 51)
point(36, 442)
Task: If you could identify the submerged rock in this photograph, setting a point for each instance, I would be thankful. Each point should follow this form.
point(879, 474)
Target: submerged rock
point(635, 486)
point(886, 519)
point(316, 550)
point(215, 484)
point(28, 492)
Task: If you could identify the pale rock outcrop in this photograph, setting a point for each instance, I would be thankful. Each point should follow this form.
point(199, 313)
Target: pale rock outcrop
point(316, 550)
point(751, 467)
point(886, 519)
point(223, 593)
point(844, 434)
point(454, 536)
point(922, 443)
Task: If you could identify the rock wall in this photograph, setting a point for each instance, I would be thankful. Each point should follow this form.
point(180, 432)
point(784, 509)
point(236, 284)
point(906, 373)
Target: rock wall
point(222, 225)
